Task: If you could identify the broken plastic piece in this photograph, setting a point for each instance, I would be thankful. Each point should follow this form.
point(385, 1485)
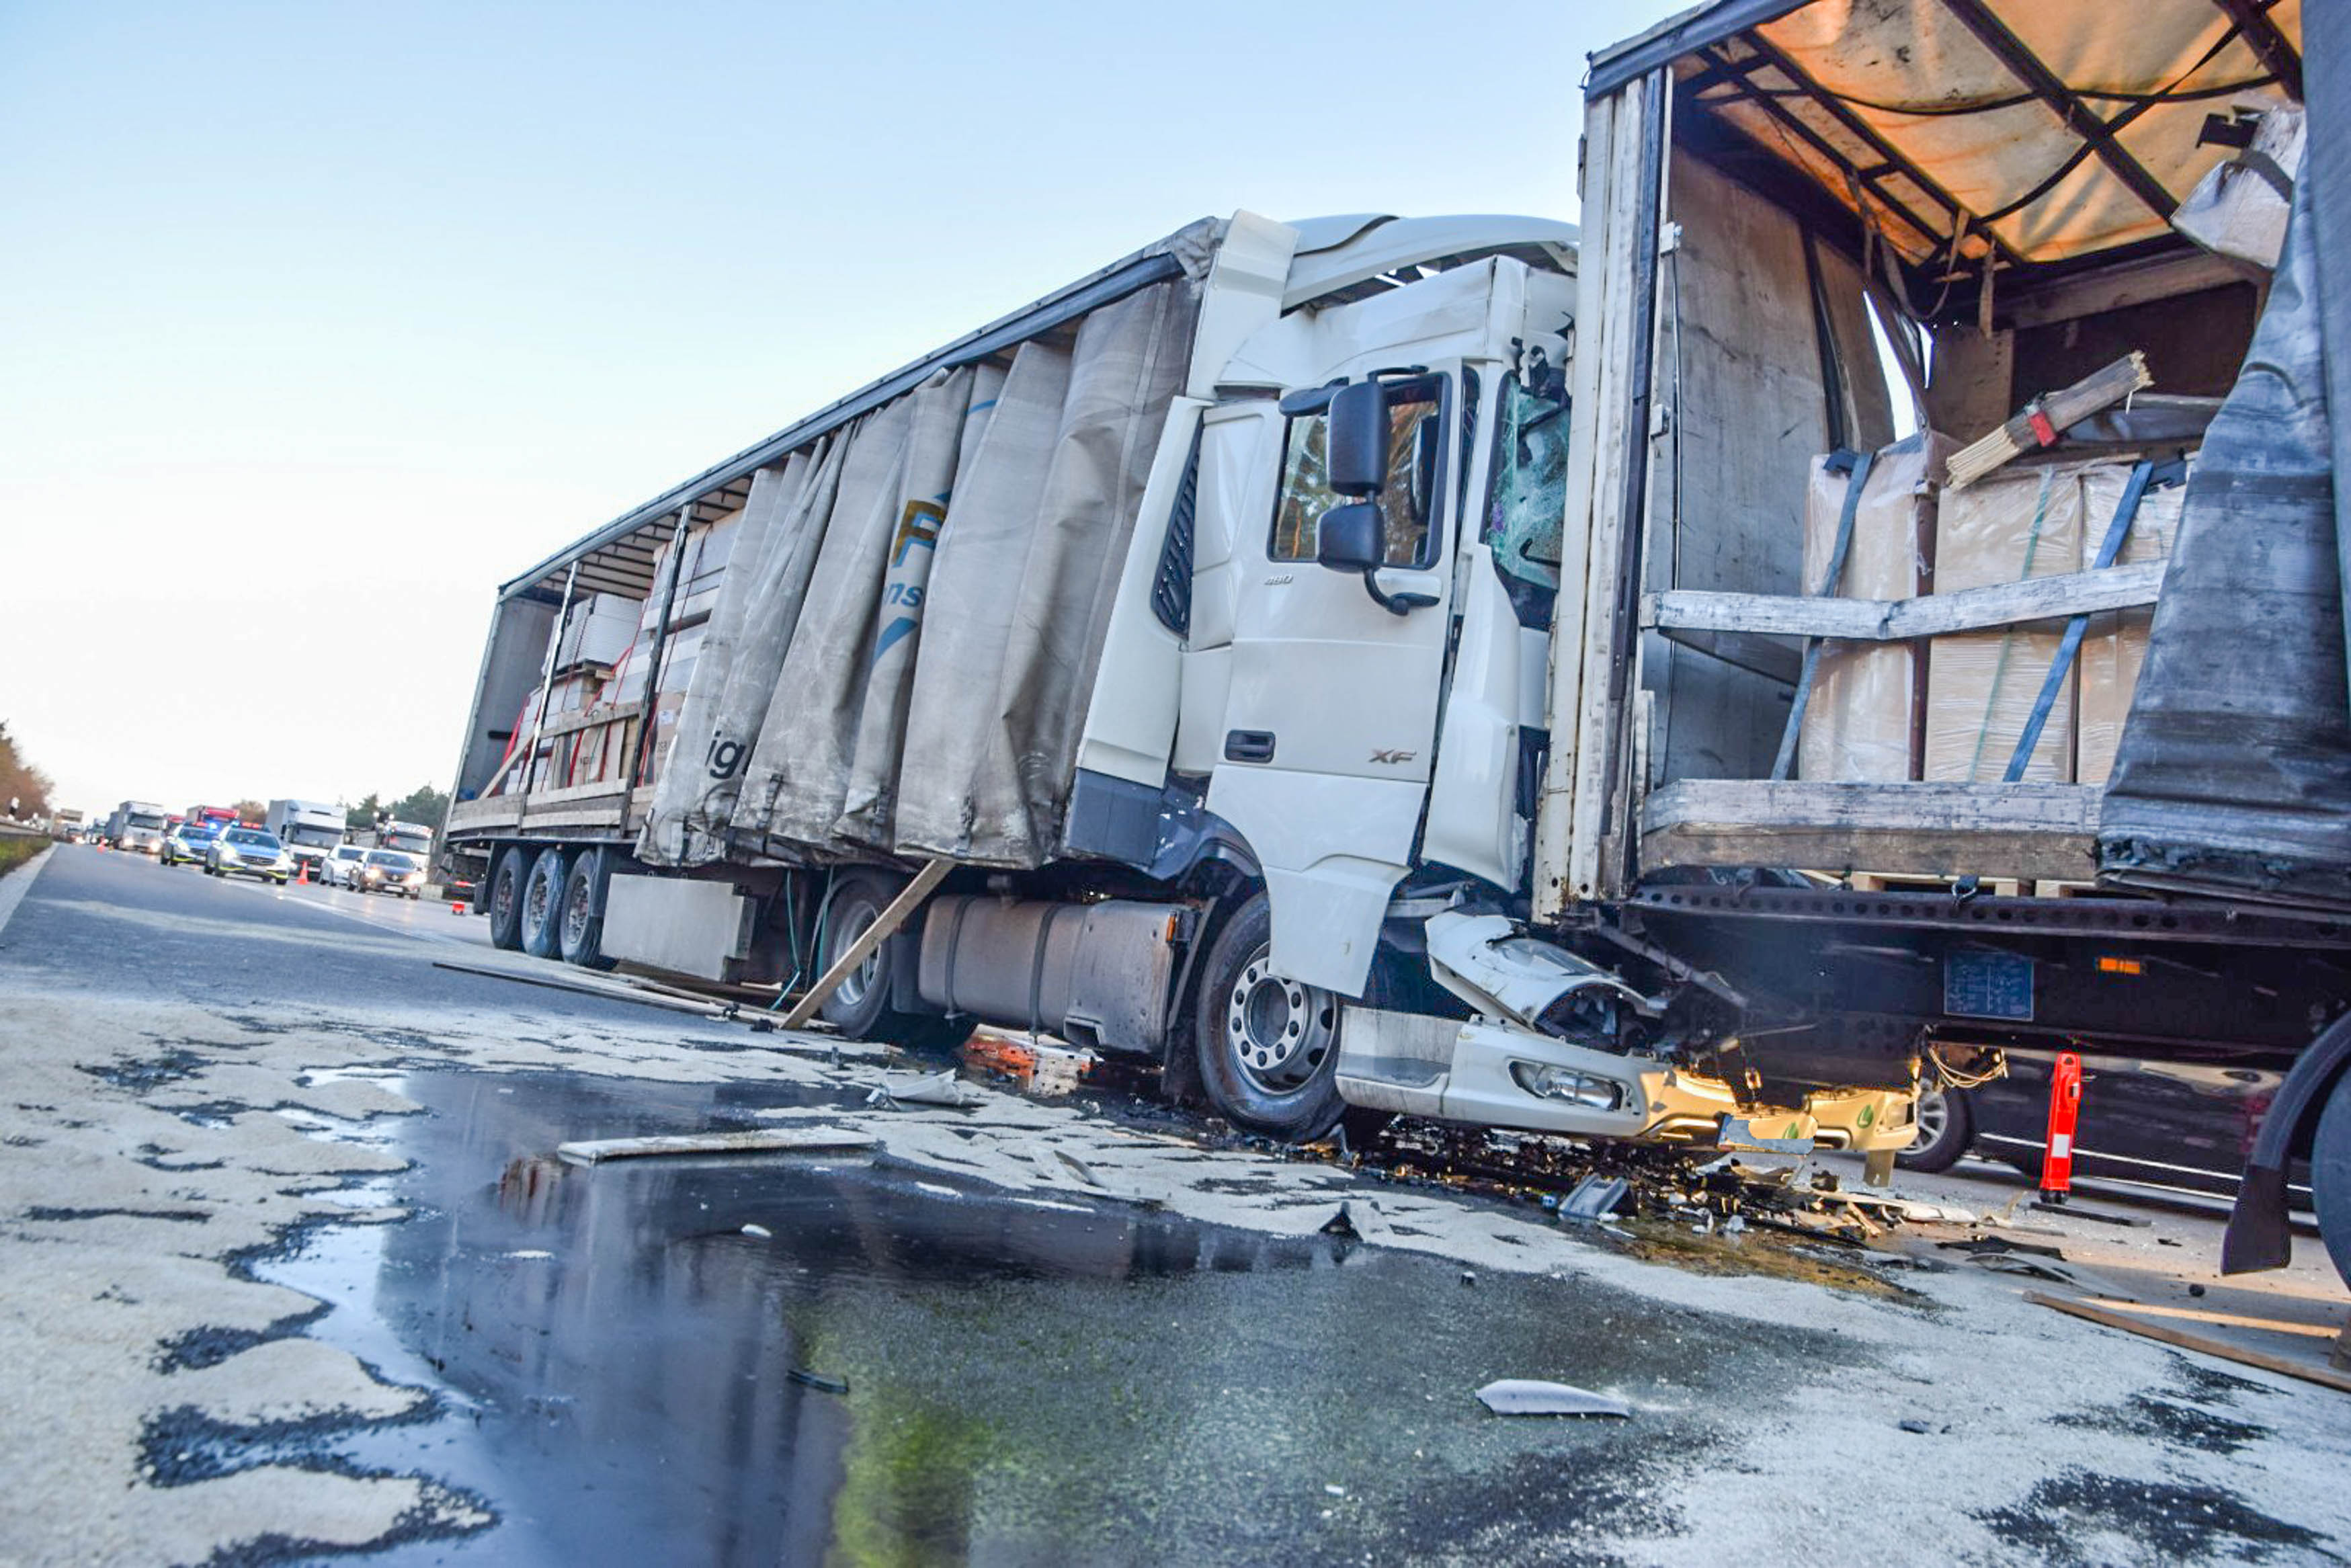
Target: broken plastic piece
point(1340, 1224)
point(818, 1381)
point(761, 1231)
point(780, 1140)
point(1595, 1198)
point(1529, 1396)
point(942, 1088)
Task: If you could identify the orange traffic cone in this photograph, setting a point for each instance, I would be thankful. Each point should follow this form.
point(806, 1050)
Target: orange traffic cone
point(302, 873)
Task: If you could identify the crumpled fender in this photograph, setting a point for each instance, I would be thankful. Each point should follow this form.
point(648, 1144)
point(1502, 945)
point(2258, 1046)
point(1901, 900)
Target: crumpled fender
point(1490, 963)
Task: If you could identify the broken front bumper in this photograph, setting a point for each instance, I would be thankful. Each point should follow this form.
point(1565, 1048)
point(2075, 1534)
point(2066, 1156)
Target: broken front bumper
point(1497, 1075)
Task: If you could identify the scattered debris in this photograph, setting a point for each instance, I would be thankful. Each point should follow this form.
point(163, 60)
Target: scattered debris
point(1595, 1198)
point(771, 1140)
point(1468, 1277)
point(760, 1231)
point(941, 1088)
point(816, 1380)
point(1335, 1490)
point(1341, 1224)
point(1529, 1396)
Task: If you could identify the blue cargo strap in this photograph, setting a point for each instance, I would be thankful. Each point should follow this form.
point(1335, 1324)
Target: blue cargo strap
point(1856, 463)
point(2147, 475)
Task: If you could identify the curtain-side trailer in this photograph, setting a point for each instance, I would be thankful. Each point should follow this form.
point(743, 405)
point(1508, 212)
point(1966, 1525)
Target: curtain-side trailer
point(1441, 667)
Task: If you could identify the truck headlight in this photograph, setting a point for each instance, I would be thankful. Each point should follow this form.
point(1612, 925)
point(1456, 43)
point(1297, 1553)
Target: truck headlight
point(1547, 1082)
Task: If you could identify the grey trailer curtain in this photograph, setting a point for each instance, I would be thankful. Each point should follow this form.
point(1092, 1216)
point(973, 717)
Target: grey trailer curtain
point(694, 811)
point(682, 828)
point(2233, 776)
point(1021, 593)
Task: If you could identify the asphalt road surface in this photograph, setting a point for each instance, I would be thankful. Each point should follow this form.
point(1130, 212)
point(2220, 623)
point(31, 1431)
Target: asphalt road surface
point(289, 1268)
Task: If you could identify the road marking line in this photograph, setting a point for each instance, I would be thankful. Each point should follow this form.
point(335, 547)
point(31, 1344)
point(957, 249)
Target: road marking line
point(13, 889)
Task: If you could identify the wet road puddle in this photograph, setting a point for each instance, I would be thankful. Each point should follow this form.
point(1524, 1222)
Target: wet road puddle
point(645, 1361)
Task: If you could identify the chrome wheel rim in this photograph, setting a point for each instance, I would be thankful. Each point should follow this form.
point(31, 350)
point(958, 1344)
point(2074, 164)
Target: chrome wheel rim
point(1277, 1032)
point(848, 924)
point(1933, 1116)
point(575, 915)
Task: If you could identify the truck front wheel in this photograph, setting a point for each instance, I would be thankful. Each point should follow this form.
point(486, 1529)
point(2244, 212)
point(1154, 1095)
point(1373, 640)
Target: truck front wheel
point(1269, 1045)
point(2330, 1176)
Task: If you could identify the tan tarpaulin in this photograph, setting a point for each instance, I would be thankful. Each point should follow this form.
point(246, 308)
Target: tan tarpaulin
point(1926, 85)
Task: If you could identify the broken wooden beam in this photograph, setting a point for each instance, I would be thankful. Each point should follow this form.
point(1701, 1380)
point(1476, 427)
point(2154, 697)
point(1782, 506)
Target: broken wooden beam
point(757, 1140)
point(2042, 420)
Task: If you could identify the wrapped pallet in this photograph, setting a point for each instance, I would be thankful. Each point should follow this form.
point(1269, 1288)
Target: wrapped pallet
point(2115, 645)
point(1857, 721)
point(2019, 522)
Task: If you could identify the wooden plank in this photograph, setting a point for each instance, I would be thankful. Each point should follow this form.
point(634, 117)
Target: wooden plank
point(909, 898)
point(1902, 620)
point(2022, 831)
point(589, 719)
point(2243, 1356)
point(594, 789)
point(498, 811)
point(606, 815)
point(759, 1140)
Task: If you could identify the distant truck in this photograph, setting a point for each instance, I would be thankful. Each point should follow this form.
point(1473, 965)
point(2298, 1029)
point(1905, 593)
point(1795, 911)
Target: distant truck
point(310, 829)
point(138, 825)
point(65, 825)
point(211, 816)
point(409, 838)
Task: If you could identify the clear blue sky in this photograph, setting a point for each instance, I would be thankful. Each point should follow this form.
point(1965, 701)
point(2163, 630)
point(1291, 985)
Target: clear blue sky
point(323, 319)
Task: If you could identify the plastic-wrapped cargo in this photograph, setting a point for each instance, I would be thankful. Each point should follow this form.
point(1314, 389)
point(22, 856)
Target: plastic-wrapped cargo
point(2114, 647)
point(1858, 722)
point(2021, 522)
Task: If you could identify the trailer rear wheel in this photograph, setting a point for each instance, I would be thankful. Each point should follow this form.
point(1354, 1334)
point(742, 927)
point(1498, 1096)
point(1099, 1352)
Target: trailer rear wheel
point(1269, 1045)
point(860, 1007)
point(582, 922)
point(2330, 1176)
point(542, 905)
point(502, 898)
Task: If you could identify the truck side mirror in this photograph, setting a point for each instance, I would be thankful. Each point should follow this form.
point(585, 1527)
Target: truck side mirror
point(1358, 452)
point(1350, 537)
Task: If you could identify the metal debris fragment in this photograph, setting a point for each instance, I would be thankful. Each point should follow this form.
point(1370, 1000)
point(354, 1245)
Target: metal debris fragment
point(1529, 1397)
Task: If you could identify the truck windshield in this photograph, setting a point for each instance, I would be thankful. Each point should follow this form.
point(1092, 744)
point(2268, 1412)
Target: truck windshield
point(312, 836)
point(1415, 429)
point(416, 844)
point(139, 820)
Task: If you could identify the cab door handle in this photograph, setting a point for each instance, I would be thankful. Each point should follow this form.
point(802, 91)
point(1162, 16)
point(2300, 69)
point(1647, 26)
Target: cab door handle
point(1248, 746)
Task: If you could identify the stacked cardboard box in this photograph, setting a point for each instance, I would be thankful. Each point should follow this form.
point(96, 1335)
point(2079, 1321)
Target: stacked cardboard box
point(2025, 521)
point(2015, 524)
point(1857, 723)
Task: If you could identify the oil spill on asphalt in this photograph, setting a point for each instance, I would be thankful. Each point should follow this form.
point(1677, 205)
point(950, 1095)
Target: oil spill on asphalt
point(614, 1359)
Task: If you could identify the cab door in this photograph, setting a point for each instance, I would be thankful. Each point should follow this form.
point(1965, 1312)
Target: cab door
point(1329, 718)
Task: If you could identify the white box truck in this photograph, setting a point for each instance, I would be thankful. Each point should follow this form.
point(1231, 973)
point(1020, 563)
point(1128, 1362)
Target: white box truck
point(138, 825)
point(1414, 663)
point(309, 828)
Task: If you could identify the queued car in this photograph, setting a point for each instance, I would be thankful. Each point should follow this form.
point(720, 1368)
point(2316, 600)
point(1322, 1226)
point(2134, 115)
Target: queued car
point(188, 842)
point(340, 867)
point(248, 851)
point(2161, 1123)
point(389, 871)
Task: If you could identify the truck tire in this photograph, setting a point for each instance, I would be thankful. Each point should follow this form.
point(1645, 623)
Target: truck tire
point(859, 1008)
point(582, 921)
point(2330, 1176)
point(503, 897)
point(1269, 1047)
point(1946, 1128)
point(542, 905)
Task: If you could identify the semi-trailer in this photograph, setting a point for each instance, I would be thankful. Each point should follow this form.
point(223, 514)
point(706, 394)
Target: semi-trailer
point(1595, 684)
